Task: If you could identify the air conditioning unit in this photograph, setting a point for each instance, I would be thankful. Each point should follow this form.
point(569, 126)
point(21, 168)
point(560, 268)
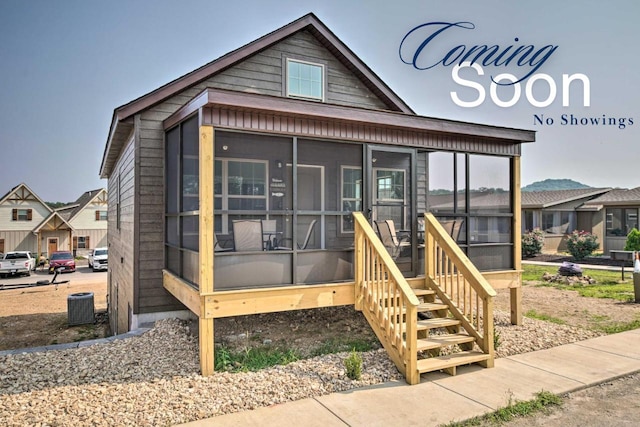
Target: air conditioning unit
point(80, 308)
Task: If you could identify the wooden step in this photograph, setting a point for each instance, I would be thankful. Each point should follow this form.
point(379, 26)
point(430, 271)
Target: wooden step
point(422, 292)
point(437, 322)
point(417, 292)
point(432, 306)
point(451, 360)
point(439, 341)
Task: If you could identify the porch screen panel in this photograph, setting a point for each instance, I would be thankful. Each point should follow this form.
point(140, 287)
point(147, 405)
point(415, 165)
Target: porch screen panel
point(329, 189)
point(490, 231)
point(182, 199)
point(475, 192)
point(252, 181)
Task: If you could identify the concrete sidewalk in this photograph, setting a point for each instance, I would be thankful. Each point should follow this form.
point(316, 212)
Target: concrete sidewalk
point(440, 398)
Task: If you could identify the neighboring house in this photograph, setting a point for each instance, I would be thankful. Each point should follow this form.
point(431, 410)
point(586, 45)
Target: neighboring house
point(88, 218)
point(293, 129)
point(23, 222)
point(557, 214)
point(612, 216)
point(28, 223)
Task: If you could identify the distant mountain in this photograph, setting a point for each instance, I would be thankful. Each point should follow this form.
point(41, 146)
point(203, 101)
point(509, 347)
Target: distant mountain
point(554, 184)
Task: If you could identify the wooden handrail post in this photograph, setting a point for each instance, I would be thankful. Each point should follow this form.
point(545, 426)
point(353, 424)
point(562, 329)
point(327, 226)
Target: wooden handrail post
point(411, 354)
point(358, 264)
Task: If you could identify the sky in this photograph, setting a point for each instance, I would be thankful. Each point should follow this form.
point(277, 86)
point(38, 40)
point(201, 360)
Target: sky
point(65, 65)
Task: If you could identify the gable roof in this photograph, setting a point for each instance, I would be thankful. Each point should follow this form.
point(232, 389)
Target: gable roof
point(22, 186)
point(615, 197)
point(70, 211)
point(56, 225)
point(546, 199)
point(309, 22)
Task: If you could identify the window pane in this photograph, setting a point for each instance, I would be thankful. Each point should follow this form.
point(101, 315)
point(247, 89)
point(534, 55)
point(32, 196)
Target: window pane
point(490, 184)
point(615, 225)
point(190, 184)
point(172, 165)
point(190, 227)
point(190, 165)
point(172, 231)
point(491, 257)
point(217, 181)
point(236, 204)
point(441, 188)
point(631, 219)
point(247, 178)
point(390, 185)
point(304, 79)
point(490, 230)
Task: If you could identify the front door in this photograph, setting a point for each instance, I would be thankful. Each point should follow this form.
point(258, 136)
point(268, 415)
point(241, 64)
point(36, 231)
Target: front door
point(52, 245)
point(391, 195)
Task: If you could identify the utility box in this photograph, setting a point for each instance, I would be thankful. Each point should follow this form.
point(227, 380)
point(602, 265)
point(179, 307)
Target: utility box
point(80, 308)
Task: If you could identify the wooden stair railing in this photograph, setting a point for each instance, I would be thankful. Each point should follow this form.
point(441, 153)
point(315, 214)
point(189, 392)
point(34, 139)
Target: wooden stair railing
point(458, 284)
point(386, 299)
point(391, 306)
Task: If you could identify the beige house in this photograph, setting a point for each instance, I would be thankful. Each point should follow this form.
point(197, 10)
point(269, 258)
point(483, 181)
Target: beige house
point(612, 216)
point(27, 223)
point(558, 213)
point(87, 217)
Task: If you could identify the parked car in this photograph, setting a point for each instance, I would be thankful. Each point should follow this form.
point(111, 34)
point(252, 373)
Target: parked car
point(62, 260)
point(98, 259)
point(17, 262)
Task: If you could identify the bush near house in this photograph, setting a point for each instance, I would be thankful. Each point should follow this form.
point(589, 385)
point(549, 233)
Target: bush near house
point(532, 242)
point(581, 244)
point(633, 240)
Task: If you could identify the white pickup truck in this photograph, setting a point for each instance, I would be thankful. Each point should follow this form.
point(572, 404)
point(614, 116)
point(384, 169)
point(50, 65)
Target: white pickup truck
point(17, 262)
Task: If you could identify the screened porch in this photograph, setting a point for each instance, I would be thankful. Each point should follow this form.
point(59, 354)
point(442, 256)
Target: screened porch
point(282, 206)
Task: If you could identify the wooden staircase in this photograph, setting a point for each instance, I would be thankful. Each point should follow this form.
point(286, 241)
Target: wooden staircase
point(441, 340)
point(437, 326)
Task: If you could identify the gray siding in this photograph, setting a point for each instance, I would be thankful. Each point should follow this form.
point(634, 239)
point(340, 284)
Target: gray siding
point(261, 73)
point(120, 241)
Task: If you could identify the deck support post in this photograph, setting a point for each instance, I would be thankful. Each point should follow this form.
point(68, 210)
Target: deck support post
point(207, 251)
point(516, 293)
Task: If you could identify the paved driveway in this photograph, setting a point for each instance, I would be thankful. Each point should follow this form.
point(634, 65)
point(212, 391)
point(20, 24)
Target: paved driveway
point(83, 274)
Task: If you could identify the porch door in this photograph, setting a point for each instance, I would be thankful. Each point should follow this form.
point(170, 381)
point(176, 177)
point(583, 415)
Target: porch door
point(52, 246)
point(391, 196)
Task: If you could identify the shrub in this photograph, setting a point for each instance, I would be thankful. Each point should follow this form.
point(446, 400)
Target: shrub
point(633, 240)
point(581, 244)
point(353, 363)
point(532, 242)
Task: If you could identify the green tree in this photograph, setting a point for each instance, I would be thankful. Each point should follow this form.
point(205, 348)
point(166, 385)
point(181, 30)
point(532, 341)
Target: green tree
point(633, 240)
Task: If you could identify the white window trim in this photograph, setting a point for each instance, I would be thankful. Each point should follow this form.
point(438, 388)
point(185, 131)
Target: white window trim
point(322, 82)
point(376, 200)
point(225, 189)
point(343, 198)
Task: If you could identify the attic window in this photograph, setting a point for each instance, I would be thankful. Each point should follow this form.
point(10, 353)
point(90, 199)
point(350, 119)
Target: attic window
point(305, 80)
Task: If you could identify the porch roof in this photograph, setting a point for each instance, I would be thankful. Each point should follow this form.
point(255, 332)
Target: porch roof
point(547, 199)
point(615, 197)
point(54, 221)
point(302, 109)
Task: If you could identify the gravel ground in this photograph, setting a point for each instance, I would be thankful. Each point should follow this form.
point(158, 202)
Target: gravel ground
point(153, 379)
